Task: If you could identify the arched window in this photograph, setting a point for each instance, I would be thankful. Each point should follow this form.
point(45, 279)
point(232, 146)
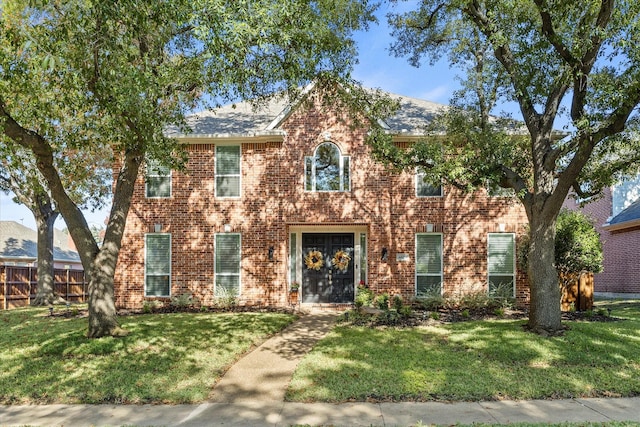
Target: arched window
point(327, 169)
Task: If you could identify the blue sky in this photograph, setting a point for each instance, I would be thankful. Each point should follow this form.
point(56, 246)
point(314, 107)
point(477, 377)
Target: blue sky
point(376, 68)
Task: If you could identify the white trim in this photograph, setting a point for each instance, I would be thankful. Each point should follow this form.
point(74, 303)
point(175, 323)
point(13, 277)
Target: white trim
point(415, 264)
point(417, 177)
point(146, 183)
point(215, 252)
point(515, 266)
point(215, 172)
point(622, 225)
point(145, 264)
point(289, 108)
point(343, 188)
point(356, 230)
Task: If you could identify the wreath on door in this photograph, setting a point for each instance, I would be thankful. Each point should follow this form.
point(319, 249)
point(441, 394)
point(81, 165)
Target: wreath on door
point(341, 260)
point(314, 260)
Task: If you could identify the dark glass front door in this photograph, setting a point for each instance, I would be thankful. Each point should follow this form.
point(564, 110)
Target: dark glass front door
point(327, 267)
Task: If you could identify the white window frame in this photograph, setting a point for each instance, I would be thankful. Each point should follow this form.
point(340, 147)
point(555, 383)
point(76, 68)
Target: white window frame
point(441, 274)
point(151, 166)
point(238, 175)
point(419, 181)
point(513, 261)
point(345, 184)
point(168, 273)
point(215, 269)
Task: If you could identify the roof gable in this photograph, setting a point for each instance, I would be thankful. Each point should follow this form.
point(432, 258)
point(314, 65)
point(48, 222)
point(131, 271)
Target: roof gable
point(242, 119)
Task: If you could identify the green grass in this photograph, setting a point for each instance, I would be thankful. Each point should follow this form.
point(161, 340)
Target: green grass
point(476, 360)
point(167, 358)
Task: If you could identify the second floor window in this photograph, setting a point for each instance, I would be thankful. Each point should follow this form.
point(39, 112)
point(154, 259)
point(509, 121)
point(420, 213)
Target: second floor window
point(425, 188)
point(228, 171)
point(327, 169)
point(158, 180)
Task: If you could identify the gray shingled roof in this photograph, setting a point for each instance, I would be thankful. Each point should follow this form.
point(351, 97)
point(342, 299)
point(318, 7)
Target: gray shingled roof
point(18, 241)
point(240, 119)
point(631, 213)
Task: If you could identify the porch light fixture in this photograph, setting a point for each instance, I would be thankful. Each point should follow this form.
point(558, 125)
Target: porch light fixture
point(227, 228)
point(270, 253)
point(502, 227)
point(157, 228)
point(385, 254)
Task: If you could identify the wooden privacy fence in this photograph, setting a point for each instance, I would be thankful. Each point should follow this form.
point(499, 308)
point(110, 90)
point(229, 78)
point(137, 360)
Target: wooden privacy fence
point(577, 291)
point(20, 285)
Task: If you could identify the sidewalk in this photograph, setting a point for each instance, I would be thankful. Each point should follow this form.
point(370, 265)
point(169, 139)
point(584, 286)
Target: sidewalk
point(258, 414)
point(251, 393)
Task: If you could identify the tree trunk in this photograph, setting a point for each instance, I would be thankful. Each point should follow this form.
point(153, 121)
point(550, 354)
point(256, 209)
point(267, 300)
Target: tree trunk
point(544, 312)
point(44, 222)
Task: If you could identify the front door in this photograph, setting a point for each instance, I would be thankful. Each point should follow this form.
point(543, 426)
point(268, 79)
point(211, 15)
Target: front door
point(327, 267)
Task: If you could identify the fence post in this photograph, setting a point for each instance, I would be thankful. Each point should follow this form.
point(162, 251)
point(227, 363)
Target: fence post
point(5, 288)
point(66, 297)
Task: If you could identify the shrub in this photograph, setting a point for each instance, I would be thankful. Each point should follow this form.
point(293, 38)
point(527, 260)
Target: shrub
point(182, 301)
point(225, 299)
point(430, 302)
point(382, 301)
point(397, 303)
point(364, 297)
point(577, 244)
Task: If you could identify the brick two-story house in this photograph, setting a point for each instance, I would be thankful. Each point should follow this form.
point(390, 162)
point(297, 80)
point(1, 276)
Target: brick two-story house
point(290, 194)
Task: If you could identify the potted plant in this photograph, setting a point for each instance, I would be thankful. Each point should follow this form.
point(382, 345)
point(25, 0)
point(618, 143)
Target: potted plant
point(293, 293)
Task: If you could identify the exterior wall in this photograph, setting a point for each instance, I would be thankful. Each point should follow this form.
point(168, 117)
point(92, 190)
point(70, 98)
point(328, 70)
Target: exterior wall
point(274, 203)
point(621, 273)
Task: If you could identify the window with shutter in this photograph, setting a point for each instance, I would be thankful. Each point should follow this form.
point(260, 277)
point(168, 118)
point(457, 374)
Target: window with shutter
point(227, 171)
point(428, 264)
point(501, 264)
point(158, 180)
point(157, 266)
point(227, 259)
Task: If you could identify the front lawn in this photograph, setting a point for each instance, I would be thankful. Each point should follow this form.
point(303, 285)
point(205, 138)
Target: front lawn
point(167, 358)
point(474, 360)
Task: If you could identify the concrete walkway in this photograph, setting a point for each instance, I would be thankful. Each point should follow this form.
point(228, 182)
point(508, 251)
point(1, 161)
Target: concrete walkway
point(252, 392)
point(264, 374)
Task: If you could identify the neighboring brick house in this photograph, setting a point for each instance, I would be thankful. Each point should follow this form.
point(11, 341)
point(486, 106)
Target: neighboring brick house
point(616, 216)
point(291, 194)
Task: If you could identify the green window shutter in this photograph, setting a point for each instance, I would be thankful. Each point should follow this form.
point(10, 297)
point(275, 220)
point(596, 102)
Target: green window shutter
point(228, 171)
point(227, 258)
point(428, 264)
point(501, 263)
point(158, 265)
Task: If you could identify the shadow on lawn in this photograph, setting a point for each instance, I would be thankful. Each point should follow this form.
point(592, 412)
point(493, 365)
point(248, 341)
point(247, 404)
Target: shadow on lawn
point(476, 360)
point(172, 358)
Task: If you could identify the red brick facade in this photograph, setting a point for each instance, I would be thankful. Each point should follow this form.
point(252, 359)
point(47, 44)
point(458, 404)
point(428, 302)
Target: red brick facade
point(381, 205)
point(621, 273)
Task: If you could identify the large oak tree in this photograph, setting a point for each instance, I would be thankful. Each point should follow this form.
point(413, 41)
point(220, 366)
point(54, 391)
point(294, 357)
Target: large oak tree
point(82, 73)
point(558, 61)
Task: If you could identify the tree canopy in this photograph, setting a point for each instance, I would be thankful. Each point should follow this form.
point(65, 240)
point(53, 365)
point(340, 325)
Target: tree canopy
point(111, 76)
point(558, 61)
